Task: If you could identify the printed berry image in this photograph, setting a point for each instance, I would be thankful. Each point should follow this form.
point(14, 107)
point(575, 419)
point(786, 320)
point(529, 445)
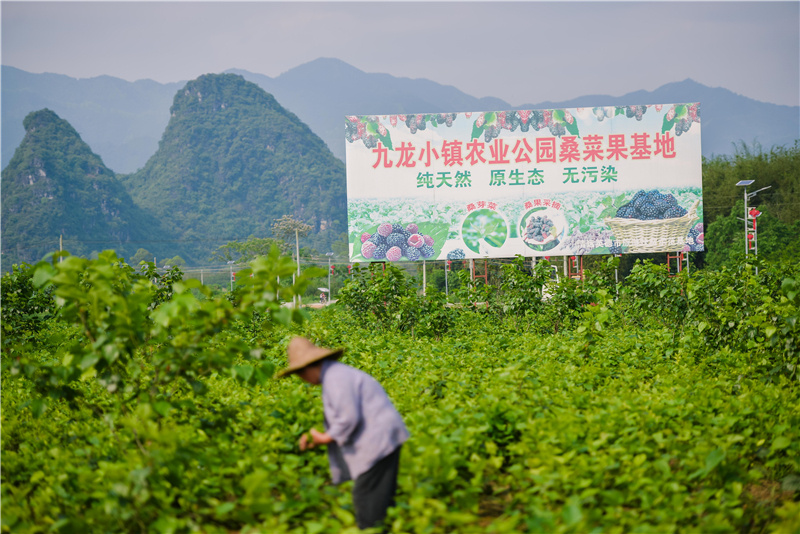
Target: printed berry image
point(682, 116)
point(394, 241)
point(416, 241)
point(584, 243)
point(412, 254)
point(456, 254)
point(377, 239)
point(368, 249)
point(380, 252)
point(635, 111)
point(695, 241)
point(651, 205)
point(540, 229)
point(394, 254)
point(385, 229)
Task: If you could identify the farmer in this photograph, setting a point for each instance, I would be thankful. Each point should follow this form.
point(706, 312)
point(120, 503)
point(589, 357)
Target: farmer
point(363, 430)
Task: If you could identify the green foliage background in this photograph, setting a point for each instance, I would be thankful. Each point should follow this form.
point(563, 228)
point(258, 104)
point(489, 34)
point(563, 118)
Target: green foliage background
point(145, 404)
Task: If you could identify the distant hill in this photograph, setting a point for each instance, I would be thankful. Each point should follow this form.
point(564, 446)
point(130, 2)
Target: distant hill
point(121, 119)
point(231, 161)
point(56, 186)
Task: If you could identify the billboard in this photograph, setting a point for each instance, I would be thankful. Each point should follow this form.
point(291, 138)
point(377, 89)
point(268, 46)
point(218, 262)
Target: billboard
point(554, 182)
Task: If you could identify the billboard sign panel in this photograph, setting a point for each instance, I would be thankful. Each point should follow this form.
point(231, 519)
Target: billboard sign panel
point(621, 179)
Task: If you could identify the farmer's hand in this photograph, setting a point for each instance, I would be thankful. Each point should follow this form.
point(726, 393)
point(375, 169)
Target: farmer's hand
point(304, 441)
point(314, 438)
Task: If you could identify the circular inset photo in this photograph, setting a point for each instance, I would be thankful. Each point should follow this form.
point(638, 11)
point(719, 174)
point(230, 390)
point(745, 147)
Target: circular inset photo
point(484, 230)
point(543, 228)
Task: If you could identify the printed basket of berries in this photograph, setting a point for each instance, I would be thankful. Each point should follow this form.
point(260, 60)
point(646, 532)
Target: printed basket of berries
point(652, 222)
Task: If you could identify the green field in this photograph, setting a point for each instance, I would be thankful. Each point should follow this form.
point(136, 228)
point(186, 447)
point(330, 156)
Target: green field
point(668, 404)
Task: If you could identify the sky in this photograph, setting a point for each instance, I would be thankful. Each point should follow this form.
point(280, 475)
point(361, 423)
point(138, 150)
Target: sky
point(521, 52)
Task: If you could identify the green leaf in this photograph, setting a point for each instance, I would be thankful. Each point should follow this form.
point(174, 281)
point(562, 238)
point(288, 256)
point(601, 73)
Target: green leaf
point(667, 125)
point(38, 407)
point(162, 408)
point(780, 443)
point(264, 372)
point(243, 372)
point(477, 131)
point(42, 275)
point(224, 508)
point(572, 127)
point(713, 459)
point(386, 140)
point(571, 513)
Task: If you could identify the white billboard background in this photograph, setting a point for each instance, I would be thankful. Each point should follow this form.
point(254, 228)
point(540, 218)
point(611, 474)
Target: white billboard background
point(477, 194)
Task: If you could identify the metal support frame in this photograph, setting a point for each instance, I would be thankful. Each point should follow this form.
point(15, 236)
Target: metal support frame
point(575, 267)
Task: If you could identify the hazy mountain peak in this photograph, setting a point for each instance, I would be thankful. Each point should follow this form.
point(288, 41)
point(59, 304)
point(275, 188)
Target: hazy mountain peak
point(231, 161)
point(56, 186)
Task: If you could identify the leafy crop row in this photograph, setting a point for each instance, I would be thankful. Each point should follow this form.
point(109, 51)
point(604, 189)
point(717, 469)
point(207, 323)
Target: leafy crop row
point(138, 403)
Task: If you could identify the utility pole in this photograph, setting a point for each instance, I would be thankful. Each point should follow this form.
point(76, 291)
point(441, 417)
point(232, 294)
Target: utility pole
point(297, 251)
point(330, 255)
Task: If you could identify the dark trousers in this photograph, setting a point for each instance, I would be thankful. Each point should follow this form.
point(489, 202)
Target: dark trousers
point(373, 491)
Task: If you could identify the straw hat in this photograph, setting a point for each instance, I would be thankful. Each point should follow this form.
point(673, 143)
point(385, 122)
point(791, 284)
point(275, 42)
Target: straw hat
point(301, 353)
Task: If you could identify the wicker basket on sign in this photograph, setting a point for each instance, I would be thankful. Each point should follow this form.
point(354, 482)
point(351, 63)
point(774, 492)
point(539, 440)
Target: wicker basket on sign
point(660, 235)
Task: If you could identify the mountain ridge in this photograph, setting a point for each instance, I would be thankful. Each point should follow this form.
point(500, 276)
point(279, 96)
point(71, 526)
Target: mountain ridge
point(320, 92)
point(56, 187)
point(232, 160)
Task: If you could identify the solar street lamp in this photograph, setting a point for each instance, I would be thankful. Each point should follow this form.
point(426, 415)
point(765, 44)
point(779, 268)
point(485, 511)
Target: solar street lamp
point(745, 183)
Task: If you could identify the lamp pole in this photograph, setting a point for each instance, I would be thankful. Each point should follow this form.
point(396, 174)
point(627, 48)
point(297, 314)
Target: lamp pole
point(747, 215)
point(230, 266)
point(745, 183)
point(330, 255)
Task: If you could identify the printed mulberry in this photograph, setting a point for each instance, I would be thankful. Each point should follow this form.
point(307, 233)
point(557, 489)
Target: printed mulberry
point(385, 229)
point(365, 236)
point(456, 254)
point(380, 252)
point(395, 240)
point(368, 249)
point(378, 239)
point(626, 212)
point(416, 241)
point(674, 212)
point(428, 240)
point(394, 254)
point(413, 228)
point(648, 212)
point(412, 254)
point(426, 251)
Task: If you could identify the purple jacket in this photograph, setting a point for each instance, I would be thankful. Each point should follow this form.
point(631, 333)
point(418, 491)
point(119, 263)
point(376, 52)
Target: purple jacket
point(363, 422)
